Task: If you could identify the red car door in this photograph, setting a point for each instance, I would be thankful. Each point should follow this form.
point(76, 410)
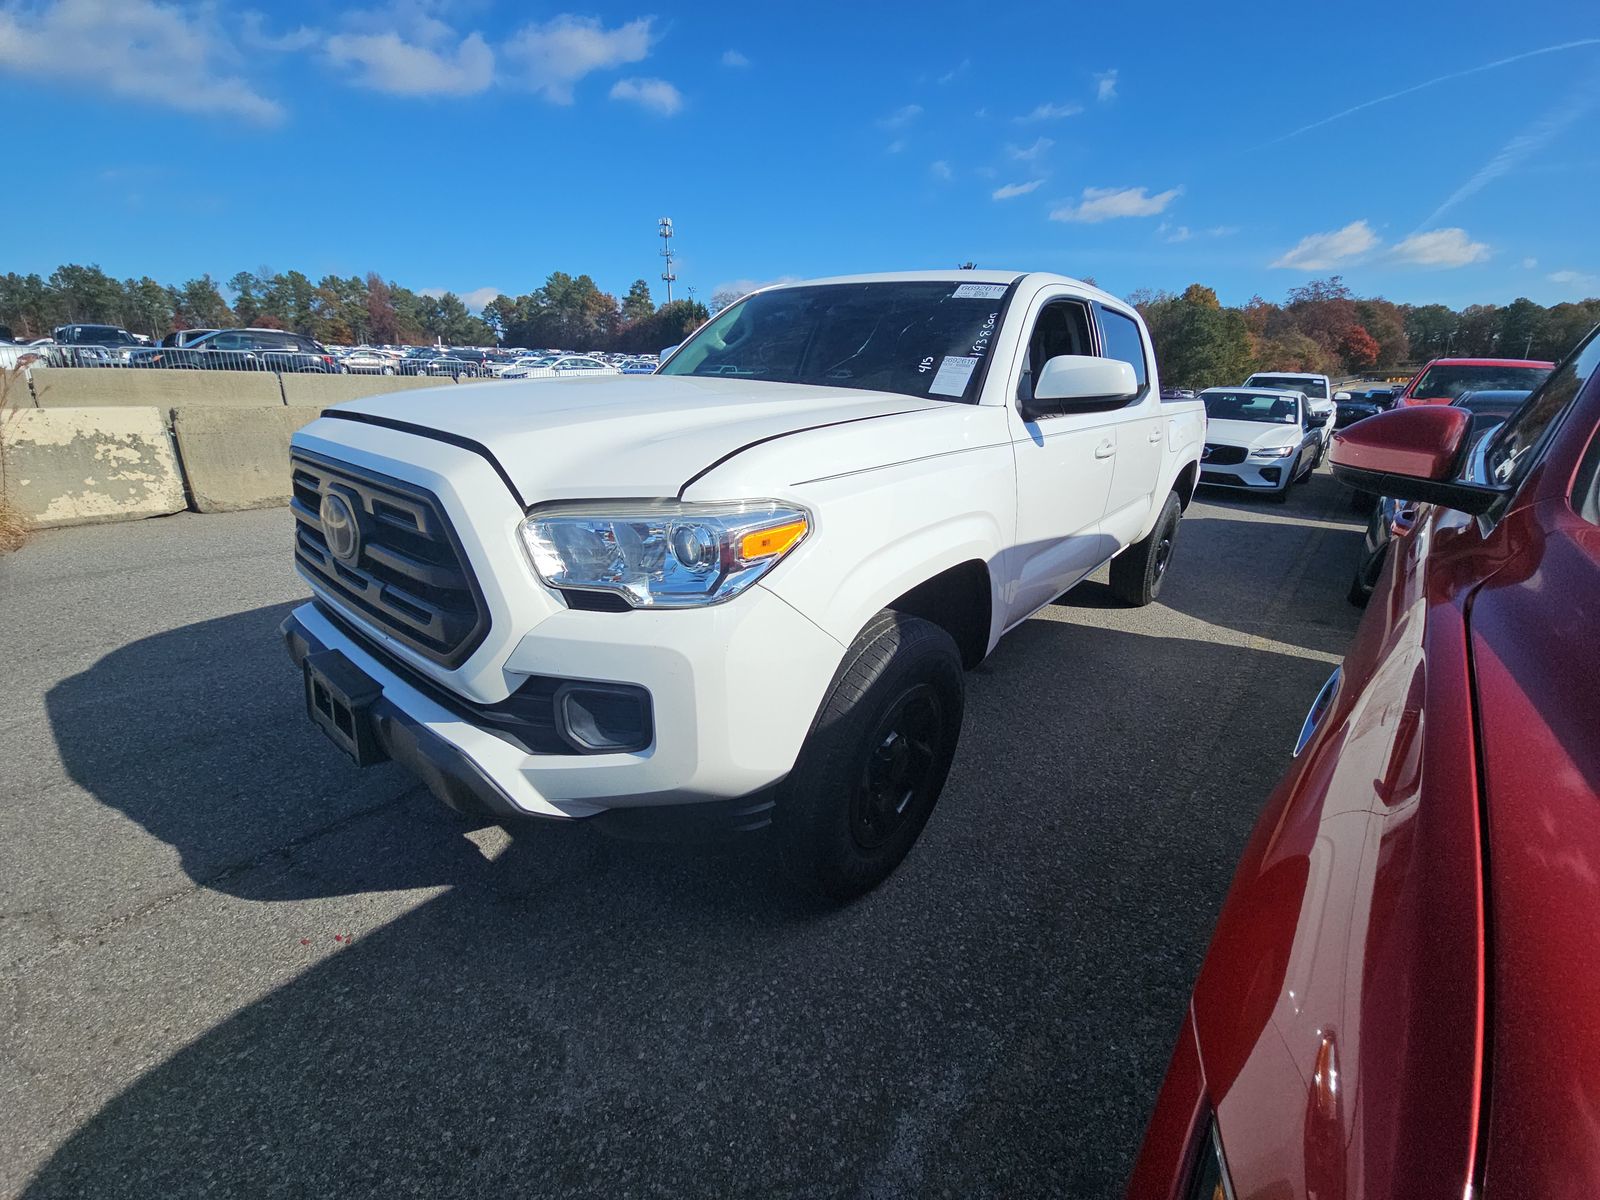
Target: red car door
point(1535, 649)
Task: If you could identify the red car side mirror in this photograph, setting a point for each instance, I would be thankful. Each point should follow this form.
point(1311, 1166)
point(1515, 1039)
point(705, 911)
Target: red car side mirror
point(1411, 454)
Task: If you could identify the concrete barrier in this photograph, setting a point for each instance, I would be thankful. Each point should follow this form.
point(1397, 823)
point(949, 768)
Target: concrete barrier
point(237, 458)
point(320, 391)
point(81, 387)
point(79, 466)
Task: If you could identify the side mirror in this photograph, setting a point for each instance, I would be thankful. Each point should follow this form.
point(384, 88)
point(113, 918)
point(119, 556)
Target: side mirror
point(667, 353)
point(1341, 395)
point(1411, 454)
point(1073, 379)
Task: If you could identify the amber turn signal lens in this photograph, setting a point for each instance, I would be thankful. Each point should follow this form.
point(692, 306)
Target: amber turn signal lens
point(764, 543)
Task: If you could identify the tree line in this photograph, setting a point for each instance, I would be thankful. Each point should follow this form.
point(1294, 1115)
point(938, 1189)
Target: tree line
point(567, 312)
point(1199, 342)
point(1325, 328)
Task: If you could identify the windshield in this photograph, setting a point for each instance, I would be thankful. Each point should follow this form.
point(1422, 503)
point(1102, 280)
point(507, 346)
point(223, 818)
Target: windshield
point(1448, 382)
point(915, 338)
point(1247, 406)
point(1316, 389)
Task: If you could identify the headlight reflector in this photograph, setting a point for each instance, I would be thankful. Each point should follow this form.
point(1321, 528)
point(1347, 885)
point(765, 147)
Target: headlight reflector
point(1274, 452)
point(662, 553)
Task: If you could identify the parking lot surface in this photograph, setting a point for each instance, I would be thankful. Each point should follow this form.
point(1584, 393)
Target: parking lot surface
point(232, 964)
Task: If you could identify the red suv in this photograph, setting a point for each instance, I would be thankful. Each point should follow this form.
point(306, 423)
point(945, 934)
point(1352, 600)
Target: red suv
point(1402, 995)
point(1444, 379)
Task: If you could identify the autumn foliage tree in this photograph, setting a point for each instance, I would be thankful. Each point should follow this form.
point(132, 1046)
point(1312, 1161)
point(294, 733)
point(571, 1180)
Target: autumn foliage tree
point(1358, 349)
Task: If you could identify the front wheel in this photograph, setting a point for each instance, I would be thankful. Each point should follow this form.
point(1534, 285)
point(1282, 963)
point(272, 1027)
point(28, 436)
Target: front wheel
point(876, 758)
point(1138, 572)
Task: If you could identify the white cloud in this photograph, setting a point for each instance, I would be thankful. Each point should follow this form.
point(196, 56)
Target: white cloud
point(1574, 279)
point(956, 72)
point(1016, 189)
point(941, 170)
point(900, 117)
point(475, 299)
point(136, 49)
point(253, 34)
point(895, 147)
point(386, 62)
point(732, 58)
point(551, 58)
point(1029, 153)
point(1319, 250)
point(1053, 112)
point(1105, 86)
point(1440, 248)
point(1222, 231)
point(655, 94)
point(1175, 233)
point(1105, 204)
point(1529, 264)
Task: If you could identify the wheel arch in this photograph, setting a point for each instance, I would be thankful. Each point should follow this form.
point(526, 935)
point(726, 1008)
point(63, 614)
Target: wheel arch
point(960, 600)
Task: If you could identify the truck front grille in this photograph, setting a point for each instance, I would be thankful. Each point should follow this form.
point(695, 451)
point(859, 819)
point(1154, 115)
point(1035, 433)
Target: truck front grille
point(403, 571)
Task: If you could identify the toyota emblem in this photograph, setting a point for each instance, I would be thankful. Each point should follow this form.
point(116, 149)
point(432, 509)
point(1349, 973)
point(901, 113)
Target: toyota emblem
point(339, 527)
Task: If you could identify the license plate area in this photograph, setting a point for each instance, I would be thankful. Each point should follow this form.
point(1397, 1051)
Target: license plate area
point(339, 700)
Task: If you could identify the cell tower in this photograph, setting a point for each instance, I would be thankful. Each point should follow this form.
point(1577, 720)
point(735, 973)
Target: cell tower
point(665, 228)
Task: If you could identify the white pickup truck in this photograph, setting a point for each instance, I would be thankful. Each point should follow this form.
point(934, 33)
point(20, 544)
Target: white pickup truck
point(742, 589)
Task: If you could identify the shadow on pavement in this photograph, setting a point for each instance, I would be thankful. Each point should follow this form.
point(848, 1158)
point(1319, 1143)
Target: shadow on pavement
point(588, 1017)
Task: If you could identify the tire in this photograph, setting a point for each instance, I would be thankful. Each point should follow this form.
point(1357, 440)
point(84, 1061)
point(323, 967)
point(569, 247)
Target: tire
point(1281, 496)
point(875, 761)
point(1138, 572)
point(388, 370)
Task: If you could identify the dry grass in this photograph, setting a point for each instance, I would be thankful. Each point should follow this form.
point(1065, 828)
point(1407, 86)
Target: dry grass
point(12, 530)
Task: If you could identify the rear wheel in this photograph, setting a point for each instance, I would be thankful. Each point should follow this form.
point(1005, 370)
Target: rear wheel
point(1138, 572)
point(875, 760)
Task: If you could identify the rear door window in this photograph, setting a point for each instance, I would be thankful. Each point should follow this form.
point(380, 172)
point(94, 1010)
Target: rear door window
point(1120, 338)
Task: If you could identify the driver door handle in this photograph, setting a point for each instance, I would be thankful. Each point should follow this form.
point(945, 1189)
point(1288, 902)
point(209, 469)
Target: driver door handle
point(1105, 449)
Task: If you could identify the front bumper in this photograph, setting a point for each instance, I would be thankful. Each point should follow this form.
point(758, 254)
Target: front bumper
point(733, 691)
point(1252, 475)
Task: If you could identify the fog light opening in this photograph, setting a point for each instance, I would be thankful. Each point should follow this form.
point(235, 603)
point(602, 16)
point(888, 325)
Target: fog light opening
point(602, 718)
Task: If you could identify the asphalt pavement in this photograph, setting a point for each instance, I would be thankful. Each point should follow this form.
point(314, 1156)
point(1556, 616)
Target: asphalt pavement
point(234, 965)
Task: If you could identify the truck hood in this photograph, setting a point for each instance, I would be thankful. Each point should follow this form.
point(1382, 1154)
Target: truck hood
point(1253, 435)
point(621, 436)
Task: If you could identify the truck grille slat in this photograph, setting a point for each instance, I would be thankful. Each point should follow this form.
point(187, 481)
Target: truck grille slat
point(408, 577)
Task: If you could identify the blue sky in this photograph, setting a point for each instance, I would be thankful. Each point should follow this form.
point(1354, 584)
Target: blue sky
point(478, 146)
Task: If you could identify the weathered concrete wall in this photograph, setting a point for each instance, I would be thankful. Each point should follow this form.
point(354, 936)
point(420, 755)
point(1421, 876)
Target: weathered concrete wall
point(237, 458)
point(320, 391)
point(77, 466)
point(56, 387)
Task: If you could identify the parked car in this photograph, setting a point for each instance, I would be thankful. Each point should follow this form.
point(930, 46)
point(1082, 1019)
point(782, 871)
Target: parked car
point(415, 360)
point(369, 362)
point(1351, 407)
point(1316, 389)
point(92, 345)
point(565, 366)
point(1443, 379)
point(742, 590)
point(1399, 997)
point(1259, 439)
point(457, 364)
point(638, 366)
point(248, 350)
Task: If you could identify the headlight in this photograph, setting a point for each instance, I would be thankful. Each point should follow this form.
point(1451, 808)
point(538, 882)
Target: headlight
point(663, 553)
point(1274, 452)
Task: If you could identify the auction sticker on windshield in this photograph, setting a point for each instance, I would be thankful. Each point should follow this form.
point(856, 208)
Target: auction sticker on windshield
point(979, 291)
point(952, 376)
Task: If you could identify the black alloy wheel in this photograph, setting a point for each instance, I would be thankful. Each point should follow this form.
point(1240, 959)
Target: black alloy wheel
point(895, 780)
